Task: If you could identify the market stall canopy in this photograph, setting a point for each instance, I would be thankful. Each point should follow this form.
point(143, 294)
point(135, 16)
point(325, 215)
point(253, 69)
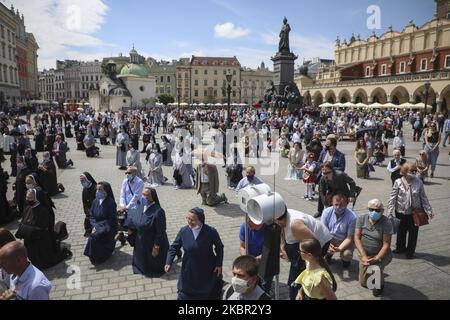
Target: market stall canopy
point(326, 105)
point(376, 105)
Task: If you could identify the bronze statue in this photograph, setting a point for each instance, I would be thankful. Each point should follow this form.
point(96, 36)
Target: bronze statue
point(284, 37)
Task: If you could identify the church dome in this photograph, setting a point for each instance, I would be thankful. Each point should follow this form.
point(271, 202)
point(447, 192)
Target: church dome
point(133, 70)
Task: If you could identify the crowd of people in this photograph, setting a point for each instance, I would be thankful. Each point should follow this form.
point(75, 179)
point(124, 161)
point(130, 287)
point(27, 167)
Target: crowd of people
point(137, 217)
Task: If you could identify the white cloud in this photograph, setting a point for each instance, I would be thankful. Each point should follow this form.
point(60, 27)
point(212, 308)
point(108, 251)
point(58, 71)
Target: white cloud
point(305, 47)
point(230, 31)
point(63, 27)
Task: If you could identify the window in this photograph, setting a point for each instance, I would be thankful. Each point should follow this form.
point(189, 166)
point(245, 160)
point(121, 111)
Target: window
point(205, 83)
point(96, 78)
point(9, 35)
point(447, 62)
point(157, 90)
point(402, 67)
point(142, 88)
point(9, 53)
point(215, 72)
point(215, 93)
point(234, 94)
point(162, 79)
point(383, 69)
point(234, 72)
point(92, 78)
point(423, 65)
point(196, 93)
point(448, 15)
point(205, 93)
point(234, 83)
point(215, 83)
point(168, 78)
point(367, 71)
point(196, 83)
point(3, 32)
point(205, 72)
point(4, 50)
point(196, 71)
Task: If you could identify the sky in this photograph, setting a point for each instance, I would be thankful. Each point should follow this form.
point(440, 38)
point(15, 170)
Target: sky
point(248, 29)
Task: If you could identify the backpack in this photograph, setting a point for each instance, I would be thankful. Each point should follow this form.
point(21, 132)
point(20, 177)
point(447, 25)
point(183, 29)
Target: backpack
point(417, 124)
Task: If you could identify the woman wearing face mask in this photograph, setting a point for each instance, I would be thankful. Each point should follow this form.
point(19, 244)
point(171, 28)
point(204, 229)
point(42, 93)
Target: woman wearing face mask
point(373, 234)
point(202, 260)
point(101, 242)
point(37, 230)
point(245, 281)
point(317, 281)
point(134, 159)
point(147, 226)
point(432, 138)
point(408, 193)
point(88, 196)
point(155, 173)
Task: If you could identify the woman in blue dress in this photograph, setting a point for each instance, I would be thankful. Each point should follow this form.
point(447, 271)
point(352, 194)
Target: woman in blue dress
point(202, 260)
point(101, 242)
point(147, 227)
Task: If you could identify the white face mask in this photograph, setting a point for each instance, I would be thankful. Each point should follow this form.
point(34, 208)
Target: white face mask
point(239, 285)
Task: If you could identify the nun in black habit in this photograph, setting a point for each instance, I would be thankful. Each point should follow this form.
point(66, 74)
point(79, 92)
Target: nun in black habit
point(147, 229)
point(88, 196)
point(202, 259)
point(101, 243)
point(20, 188)
point(47, 175)
point(39, 138)
point(37, 230)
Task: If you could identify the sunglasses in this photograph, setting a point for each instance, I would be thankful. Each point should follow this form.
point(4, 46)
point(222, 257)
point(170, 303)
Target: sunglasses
point(376, 210)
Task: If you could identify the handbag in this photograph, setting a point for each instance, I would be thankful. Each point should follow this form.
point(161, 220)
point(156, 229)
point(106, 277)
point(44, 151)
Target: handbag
point(420, 217)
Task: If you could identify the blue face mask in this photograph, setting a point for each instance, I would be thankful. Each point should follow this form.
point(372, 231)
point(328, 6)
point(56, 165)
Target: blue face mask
point(339, 211)
point(374, 215)
point(130, 177)
point(144, 201)
point(100, 195)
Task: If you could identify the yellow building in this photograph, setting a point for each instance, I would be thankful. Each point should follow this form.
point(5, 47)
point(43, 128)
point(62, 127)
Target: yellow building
point(254, 83)
point(208, 79)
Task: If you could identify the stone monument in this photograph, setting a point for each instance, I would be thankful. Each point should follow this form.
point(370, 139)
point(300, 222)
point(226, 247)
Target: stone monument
point(288, 94)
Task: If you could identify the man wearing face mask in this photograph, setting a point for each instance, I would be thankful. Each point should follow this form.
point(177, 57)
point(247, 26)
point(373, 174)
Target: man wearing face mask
point(249, 179)
point(341, 222)
point(245, 281)
point(334, 182)
point(130, 193)
point(373, 235)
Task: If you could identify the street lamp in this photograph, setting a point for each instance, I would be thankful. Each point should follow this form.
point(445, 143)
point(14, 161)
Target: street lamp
point(427, 91)
point(229, 77)
point(179, 96)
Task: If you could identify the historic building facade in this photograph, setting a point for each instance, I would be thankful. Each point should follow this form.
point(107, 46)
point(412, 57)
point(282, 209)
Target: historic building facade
point(208, 79)
point(393, 67)
point(254, 83)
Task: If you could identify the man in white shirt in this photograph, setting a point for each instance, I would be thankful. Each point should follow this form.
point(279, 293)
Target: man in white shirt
point(132, 187)
point(26, 282)
point(296, 137)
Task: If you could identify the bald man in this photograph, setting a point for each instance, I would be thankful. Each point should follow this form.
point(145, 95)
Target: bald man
point(27, 282)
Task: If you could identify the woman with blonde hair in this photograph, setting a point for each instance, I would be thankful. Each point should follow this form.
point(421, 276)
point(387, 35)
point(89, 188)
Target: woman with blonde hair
point(422, 164)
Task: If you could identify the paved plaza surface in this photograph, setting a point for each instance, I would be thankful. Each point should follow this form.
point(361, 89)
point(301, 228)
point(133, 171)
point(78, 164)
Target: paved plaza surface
point(425, 277)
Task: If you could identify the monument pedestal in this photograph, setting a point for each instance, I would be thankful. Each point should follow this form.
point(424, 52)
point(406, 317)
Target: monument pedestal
point(284, 65)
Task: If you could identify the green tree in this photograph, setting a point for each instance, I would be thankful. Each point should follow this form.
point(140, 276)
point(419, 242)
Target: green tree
point(145, 102)
point(166, 99)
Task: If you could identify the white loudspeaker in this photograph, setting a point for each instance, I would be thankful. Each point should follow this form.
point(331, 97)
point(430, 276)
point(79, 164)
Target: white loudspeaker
point(265, 208)
point(250, 192)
